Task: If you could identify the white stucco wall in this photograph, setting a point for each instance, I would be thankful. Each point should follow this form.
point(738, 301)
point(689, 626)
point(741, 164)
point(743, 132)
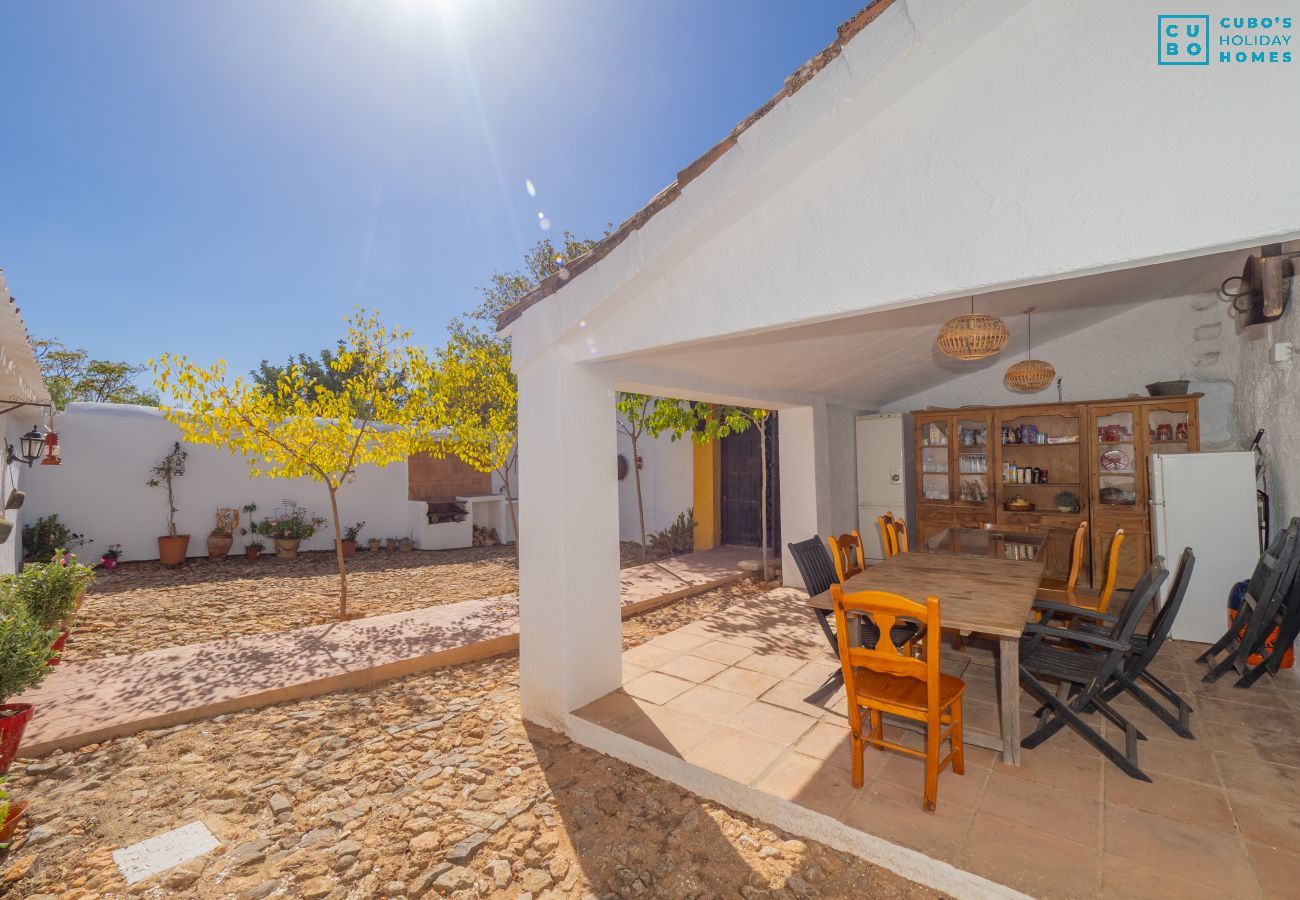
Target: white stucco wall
point(667, 482)
point(1268, 397)
point(1166, 340)
point(108, 451)
point(15, 476)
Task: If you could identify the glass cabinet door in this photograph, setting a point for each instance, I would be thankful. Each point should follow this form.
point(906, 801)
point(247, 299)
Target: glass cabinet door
point(972, 455)
point(1116, 440)
point(1170, 428)
point(935, 469)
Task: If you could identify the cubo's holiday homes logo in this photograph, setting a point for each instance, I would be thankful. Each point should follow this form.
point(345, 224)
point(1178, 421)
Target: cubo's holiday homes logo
point(1183, 40)
point(1186, 40)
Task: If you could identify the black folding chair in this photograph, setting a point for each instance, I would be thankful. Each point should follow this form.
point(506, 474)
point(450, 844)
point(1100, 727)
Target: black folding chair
point(1287, 624)
point(815, 565)
point(1086, 663)
point(1260, 610)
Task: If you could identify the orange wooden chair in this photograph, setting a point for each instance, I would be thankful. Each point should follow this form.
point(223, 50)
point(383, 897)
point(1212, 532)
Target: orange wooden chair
point(893, 534)
point(1055, 588)
point(886, 679)
point(900, 536)
point(1101, 600)
point(846, 550)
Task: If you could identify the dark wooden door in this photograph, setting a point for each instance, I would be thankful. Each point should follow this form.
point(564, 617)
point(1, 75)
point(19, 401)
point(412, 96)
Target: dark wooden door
point(742, 488)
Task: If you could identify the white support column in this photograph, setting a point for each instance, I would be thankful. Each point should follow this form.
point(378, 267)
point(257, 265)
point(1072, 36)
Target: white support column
point(805, 481)
point(570, 640)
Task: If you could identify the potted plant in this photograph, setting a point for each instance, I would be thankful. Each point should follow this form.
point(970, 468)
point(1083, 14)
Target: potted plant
point(253, 549)
point(350, 538)
point(391, 543)
point(290, 528)
point(50, 593)
point(219, 541)
point(1066, 502)
point(10, 813)
point(374, 544)
point(110, 557)
point(24, 649)
point(46, 535)
point(171, 547)
point(405, 545)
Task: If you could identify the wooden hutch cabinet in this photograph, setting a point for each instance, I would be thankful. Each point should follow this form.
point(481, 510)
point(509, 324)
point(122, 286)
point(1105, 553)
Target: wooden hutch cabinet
point(1071, 462)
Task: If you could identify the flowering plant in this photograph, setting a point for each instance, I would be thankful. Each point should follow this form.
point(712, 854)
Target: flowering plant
point(113, 552)
point(293, 524)
point(350, 533)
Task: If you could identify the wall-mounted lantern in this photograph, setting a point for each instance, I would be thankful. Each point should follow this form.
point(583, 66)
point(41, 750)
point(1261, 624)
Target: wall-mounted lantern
point(1264, 285)
point(31, 445)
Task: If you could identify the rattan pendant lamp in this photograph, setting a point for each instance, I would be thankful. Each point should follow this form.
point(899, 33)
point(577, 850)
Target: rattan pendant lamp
point(973, 336)
point(1029, 375)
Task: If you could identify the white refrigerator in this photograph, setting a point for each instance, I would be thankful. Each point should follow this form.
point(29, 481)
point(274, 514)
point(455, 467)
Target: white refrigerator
point(884, 445)
point(1205, 501)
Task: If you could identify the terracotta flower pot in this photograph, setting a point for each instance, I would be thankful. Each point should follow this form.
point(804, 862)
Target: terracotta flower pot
point(13, 720)
point(374, 544)
point(57, 648)
point(349, 548)
point(171, 550)
point(219, 546)
point(405, 545)
point(287, 548)
point(391, 543)
point(252, 552)
point(16, 810)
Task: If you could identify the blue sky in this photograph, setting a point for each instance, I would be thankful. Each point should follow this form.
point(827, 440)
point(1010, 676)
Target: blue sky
point(228, 179)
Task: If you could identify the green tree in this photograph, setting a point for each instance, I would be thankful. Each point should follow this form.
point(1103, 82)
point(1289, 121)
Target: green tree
point(72, 376)
point(704, 423)
point(641, 415)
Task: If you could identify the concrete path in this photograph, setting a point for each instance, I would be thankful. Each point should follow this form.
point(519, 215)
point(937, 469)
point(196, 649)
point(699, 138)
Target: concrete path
point(83, 703)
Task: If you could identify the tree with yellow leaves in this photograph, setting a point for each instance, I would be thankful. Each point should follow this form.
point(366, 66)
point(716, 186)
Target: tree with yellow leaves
point(477, 408)
point(300, 428)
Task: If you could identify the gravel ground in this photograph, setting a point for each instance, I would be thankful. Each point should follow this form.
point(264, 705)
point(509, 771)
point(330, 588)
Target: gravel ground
point(145, 606)
point(426, 786)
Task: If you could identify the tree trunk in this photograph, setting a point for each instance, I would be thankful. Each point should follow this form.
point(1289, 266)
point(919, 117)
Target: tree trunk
point(510, 503)
point(762, 509)
point(171, 509)
point(338, 553)
point(640, 504)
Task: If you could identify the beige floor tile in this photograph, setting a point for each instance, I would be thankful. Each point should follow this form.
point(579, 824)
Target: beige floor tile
point(710, 703)
point(1251, 743)
point(1035, 862)
point(909, 772)
point(1262, 694)
point(743, 681)
point(772, 723)
point(647, 656)
point(772, 664)
point(728, 654)
point(1170, 796)
point(1278, 871)
point(815, 673)
point(1228, 713)
point(667, 730)
point(820, 785)
point(631, 671)
point(692, 668)
point(896, 813)
point(793, 696)
point(1268, 821)
point(1124, 879)
point(1047, 765)
point(1042, 808)
point(735, 755)
point(825, 740)
point(681, 641)
point(1193, 760)
point(1260, 779)
point(1207, 856)
point(612, 709)
point(656, 687)
point(980, 716)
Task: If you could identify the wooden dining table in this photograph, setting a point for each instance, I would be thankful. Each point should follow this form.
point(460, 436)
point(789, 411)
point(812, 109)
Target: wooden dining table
point(985, 581)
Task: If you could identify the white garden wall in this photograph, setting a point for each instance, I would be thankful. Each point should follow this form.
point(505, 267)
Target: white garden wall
point(667, 481)
point(108, 451)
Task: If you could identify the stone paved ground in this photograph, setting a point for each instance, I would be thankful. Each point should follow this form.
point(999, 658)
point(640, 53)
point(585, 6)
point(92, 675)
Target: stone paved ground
point(426, 786)
point(144, 605)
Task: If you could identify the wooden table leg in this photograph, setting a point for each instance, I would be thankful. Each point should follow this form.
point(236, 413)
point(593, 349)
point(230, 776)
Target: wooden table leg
point(1009, 698)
